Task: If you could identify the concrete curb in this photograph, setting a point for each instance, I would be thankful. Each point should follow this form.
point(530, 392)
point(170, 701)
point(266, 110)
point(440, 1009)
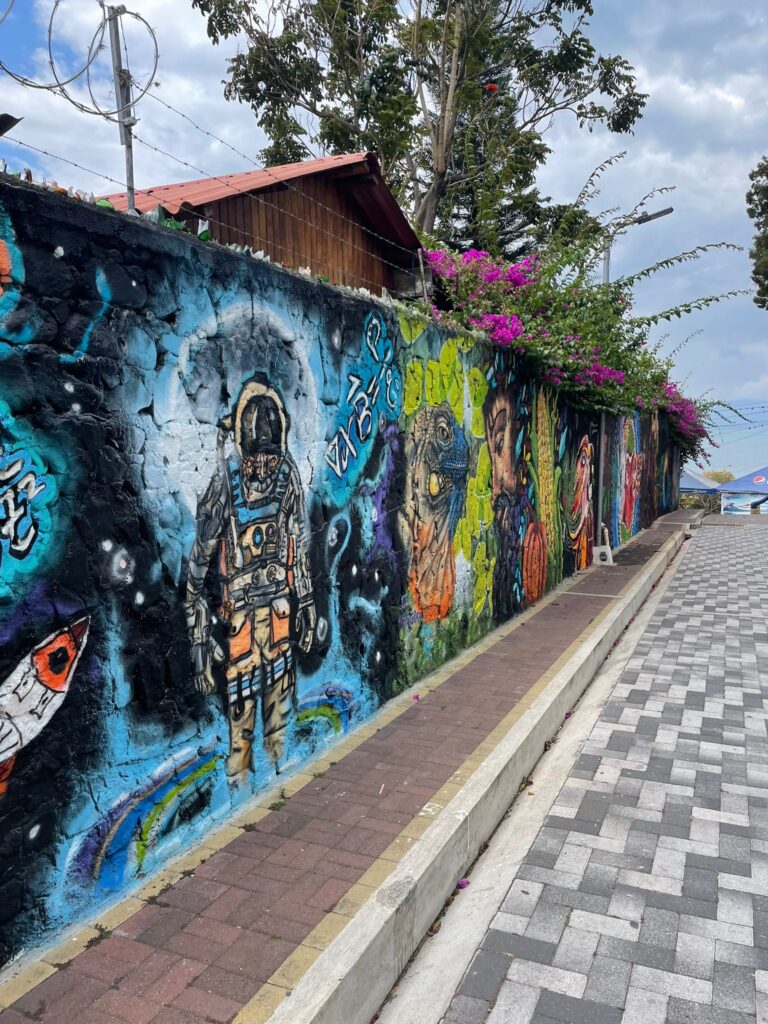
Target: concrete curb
point(352, 977)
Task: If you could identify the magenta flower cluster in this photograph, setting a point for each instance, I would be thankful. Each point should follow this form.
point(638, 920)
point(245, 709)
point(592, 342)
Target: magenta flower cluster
point(599, 375)
point(480, 262)
point(441, 262)
point(684, 414)
point(501, 328)
point(496, 297)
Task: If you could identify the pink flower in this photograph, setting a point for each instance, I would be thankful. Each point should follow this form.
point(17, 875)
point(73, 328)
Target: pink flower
point(440, 262)
point(501, 328)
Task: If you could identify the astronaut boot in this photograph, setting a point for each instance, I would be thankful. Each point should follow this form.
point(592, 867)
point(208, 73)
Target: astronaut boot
point(242, 718)
point(277, 702)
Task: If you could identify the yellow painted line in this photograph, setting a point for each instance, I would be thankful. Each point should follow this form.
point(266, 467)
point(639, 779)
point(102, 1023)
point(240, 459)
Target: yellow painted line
point(294, 967)
point(353, 899)
point(259, 1009)
point(26, 979)
point(68, 950)
point(323, 934)
point(115, 916)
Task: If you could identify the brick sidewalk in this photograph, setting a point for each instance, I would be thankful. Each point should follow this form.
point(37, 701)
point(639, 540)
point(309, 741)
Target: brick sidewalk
point(244, 924)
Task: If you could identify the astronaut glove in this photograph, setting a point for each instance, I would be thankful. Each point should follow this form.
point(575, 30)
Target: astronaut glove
point(201, 660)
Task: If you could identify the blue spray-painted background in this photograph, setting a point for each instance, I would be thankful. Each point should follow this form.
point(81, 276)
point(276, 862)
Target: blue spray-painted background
point(125, 354)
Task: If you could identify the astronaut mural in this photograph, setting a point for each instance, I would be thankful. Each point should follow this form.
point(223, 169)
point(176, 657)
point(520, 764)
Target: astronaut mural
point(251, 523)
point(239, 510)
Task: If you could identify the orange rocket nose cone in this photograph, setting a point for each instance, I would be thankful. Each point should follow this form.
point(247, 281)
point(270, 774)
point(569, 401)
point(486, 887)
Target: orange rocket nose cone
point(55, 658)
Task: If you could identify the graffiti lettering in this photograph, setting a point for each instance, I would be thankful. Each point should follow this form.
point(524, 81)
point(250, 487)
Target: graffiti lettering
point(376, 387)
point(19, 487)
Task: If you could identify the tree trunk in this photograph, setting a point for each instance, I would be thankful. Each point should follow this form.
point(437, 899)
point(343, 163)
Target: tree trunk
point(426, 213)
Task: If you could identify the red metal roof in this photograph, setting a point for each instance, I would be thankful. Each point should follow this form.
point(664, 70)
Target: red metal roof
point(377, 203)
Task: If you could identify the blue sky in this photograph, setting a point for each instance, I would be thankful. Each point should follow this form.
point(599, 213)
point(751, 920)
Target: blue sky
point(704, 129)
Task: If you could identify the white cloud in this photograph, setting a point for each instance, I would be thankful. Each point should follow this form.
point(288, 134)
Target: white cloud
point(190, 74)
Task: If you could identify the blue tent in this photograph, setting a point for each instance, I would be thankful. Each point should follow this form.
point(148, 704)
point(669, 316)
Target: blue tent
point(755, 482)
point(690, 483)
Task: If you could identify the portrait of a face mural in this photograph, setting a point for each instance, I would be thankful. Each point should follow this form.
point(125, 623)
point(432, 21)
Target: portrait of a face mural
point(251, 531)
point(631, 461)
point(520, 576)
point(580, 517)
point(437, 459)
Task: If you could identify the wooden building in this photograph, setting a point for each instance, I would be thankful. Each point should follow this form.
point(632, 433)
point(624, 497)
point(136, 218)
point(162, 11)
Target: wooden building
point(334, 215)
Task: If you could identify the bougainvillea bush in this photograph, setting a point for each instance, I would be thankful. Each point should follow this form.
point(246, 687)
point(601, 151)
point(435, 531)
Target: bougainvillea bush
point(577, 333)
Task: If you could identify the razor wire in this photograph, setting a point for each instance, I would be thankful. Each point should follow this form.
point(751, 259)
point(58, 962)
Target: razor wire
point(83, 75)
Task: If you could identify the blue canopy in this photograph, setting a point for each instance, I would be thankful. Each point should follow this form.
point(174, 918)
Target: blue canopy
point(755, 482)
point(690, 483)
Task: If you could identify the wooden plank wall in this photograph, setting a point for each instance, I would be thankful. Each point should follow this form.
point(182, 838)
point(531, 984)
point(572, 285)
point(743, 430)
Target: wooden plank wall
point(310, 225)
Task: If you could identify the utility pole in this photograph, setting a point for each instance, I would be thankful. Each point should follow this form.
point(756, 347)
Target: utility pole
point(123, 99)
point(642, 219)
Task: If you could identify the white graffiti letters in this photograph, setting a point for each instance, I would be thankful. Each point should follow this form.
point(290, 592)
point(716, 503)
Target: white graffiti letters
point(19, 486)
point(364, 398)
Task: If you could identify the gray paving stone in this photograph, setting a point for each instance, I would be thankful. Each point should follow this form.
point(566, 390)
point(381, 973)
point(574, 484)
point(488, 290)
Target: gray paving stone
point(680, 1011)
point(520, 945)
point(575, 899)
point(591, 828)
point(745, 956)
point(522, 898)
point(608, 981)
point(718, 864)
point(485, 975)
point(576, 1011)
point(700, 884)
point(599, 879)
point(547, 922)
point(576, 950)
point(660, 927)
point(682, 905)
point(465, 1010)
point(515, 1004)
point(733, 987)
point(695, 956)
point(660, 957)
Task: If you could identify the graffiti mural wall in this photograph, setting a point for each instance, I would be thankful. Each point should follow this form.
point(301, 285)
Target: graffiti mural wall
point(238, 511)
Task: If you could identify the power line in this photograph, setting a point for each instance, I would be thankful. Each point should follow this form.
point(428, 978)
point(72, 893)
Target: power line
point(735, 440)
point(63, 159)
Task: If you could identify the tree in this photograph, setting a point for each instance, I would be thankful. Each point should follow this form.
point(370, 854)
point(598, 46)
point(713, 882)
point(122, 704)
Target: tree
point(720, 476)
point(757, 208)
point(455, 96)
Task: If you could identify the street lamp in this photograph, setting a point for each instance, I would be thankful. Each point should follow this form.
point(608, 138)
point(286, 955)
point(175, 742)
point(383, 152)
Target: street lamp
point(643, 218)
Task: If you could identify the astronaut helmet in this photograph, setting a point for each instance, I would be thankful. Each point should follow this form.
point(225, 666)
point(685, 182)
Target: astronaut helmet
point(260, 426)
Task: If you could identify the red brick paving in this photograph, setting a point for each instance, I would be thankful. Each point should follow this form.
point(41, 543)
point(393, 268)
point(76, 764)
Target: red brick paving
point(204, 947)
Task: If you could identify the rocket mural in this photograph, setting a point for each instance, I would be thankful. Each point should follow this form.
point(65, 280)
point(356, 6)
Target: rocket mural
point(35, 690)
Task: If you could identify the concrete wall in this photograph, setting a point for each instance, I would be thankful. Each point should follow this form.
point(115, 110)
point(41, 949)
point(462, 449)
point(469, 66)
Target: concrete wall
point(238, 511)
